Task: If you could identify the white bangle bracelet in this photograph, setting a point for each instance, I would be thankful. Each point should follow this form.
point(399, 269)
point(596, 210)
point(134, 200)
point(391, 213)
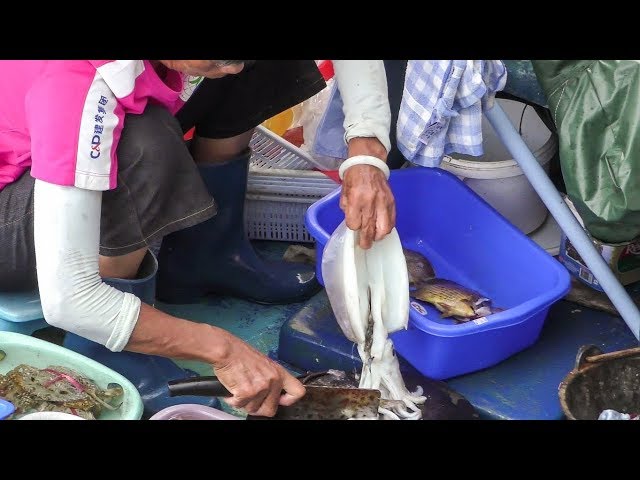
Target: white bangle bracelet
point(363, 160)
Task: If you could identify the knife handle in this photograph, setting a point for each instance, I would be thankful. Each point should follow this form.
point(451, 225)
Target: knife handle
point(211, 386)
point(199, 386)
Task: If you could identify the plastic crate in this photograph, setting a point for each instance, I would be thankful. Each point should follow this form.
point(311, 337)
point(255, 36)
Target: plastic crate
point(468, 242)
point(282, 184)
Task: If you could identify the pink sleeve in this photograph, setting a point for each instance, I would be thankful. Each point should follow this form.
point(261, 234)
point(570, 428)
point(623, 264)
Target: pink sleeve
point(75, 122)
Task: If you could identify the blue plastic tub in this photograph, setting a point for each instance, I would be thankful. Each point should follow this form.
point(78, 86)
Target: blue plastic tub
point(469, 242)
point(6, 409)
point(21, 312)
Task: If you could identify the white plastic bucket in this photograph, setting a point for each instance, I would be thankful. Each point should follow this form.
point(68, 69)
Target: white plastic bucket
point(50, 416)
point(497, 178)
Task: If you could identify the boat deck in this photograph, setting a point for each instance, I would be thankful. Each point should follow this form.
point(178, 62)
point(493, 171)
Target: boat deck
point(523, 387)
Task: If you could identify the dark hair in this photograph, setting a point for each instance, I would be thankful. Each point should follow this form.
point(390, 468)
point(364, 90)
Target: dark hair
point(247, 63)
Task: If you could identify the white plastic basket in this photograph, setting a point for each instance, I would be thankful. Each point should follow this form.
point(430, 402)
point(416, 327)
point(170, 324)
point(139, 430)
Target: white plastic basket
point(282, 185)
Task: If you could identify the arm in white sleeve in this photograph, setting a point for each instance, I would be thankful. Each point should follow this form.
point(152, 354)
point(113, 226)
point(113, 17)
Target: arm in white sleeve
point(73, 296)
point(365, 98)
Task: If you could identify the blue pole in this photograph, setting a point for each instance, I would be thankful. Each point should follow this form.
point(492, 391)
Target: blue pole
point(567, 222)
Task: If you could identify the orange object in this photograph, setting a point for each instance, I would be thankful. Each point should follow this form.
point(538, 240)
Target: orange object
point(280, 123)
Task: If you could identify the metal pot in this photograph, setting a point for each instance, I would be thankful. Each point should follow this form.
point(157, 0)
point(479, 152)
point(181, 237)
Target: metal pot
point(601, 381)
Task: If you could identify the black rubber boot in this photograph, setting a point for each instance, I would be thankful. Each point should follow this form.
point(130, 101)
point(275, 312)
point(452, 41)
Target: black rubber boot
point(148, 373)
point(216, 256)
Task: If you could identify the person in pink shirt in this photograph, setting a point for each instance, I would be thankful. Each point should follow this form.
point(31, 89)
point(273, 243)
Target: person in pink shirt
point(94, 171)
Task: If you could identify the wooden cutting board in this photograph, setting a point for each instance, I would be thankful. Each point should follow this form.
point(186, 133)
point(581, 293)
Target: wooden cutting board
point(586, 296)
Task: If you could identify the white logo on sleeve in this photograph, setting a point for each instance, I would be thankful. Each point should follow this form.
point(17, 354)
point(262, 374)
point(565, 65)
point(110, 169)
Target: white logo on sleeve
point(189, 85)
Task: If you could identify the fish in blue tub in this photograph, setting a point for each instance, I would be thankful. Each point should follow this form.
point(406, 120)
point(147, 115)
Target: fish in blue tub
point(454, 300)
point(418, 266)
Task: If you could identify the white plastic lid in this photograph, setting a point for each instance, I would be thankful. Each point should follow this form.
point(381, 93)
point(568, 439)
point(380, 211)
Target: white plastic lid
point(50, 416)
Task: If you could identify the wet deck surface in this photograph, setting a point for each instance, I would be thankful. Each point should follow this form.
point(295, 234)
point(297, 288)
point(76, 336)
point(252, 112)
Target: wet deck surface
point(525, 387)
point(258, 325)
point(521, 387)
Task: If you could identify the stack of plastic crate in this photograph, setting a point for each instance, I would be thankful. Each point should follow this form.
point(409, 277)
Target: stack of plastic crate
point(283, 183)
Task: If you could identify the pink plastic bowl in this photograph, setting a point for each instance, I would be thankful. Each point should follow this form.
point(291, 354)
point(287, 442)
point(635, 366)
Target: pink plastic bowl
point(190, 411)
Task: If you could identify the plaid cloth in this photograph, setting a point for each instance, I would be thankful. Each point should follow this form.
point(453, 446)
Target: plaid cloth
point(442, 104)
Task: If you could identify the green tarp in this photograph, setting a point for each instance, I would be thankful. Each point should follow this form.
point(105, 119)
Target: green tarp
point(596, 107)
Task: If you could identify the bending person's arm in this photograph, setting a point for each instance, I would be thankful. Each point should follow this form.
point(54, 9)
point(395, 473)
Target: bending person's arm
point(74, 298)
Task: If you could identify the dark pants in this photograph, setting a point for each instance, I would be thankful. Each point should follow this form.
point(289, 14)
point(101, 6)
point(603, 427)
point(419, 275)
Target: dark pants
point(395, 70)
point(159, 187)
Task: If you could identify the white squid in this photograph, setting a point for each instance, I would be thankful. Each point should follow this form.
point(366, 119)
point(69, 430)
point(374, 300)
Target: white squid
point(369, 294)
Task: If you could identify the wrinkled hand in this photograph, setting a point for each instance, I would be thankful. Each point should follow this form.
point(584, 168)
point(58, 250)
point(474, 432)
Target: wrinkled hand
point(256, 381)
point(368, 203)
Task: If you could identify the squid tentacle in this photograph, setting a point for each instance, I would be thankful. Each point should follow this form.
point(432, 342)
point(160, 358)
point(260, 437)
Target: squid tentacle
point(369, 293)
point(388, 414)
